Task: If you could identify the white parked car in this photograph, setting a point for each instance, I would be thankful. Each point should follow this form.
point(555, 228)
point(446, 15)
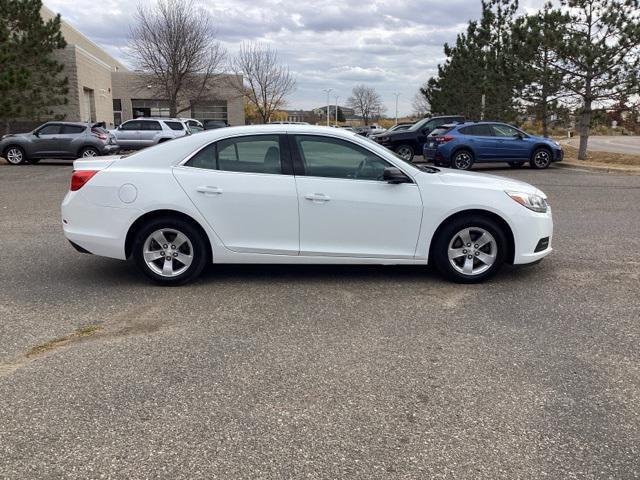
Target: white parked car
point(298, 194)
point(148, 131)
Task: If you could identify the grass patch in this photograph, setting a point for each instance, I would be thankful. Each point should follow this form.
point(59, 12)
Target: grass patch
point(84, 331)
point(607, 158)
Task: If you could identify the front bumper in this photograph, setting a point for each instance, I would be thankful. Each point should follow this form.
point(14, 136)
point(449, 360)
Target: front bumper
point(533, 234)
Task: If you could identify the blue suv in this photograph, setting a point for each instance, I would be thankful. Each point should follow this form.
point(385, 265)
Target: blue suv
point(461, 145)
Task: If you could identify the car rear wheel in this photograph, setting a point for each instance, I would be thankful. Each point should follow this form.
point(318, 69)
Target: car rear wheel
point(469, 249)
point(406, 152)
point(88, 152)
point(516, 164)
point(170, 251)
point(540, 159)
point(15, 155)
point(462, 160)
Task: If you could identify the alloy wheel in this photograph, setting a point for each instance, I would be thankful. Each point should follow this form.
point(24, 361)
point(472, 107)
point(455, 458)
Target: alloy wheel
point(472, 251)
point(405, 152)
point(89, 152)
point(14, 156)
point(168, 252)
point(462, 161)
point(542, 159)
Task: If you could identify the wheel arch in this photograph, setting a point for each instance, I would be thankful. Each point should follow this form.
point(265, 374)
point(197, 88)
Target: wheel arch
point(484, 213)
point(85, 146)
point(538, 146)
point(154, 214)
point(459, 148)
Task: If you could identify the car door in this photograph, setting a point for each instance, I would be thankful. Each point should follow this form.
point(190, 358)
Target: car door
point(510, 143)
point(149, 131)
point(482, 141)
point(346, 209)
point(45, 141)
point(245, 188)
point(127, 134)
point(68, 140)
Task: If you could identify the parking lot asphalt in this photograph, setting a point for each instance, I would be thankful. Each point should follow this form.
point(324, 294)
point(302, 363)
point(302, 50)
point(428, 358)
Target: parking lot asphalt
point(322, 372)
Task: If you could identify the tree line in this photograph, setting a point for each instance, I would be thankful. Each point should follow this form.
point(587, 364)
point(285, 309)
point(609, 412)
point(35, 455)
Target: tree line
point(581, 55)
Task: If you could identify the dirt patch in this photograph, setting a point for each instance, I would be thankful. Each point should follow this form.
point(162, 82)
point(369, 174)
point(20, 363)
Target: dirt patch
point(79, 333)
point(607, 158)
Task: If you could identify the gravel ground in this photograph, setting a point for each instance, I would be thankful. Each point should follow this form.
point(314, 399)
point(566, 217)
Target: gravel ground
point(322, 372)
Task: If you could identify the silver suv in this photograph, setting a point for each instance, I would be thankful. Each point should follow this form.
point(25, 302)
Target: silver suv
point(68, 140)
point(146, 132)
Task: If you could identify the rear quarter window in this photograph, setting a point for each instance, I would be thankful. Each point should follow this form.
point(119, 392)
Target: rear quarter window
point(175, 125)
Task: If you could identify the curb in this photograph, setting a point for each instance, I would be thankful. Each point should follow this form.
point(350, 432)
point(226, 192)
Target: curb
point(597, 168)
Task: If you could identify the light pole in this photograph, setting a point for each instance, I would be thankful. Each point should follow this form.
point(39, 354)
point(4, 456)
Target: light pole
point(337, 97)
point(397, 95)
point(328, 90)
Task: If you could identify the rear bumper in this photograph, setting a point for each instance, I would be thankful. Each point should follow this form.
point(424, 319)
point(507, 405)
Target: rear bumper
point(94, 228)
point(109, 149)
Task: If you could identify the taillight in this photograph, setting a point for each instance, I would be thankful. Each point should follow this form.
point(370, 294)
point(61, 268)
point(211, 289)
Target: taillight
point(100, 135)
point(444, 139)
point(80, 177)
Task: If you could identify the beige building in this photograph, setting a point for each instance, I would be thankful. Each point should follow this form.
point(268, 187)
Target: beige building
point(101, 89)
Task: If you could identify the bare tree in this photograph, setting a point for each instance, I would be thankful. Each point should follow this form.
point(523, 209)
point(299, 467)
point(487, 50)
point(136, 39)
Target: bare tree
point(366, 102)
point(420, 105)
point(173, 42)
point(261, 79)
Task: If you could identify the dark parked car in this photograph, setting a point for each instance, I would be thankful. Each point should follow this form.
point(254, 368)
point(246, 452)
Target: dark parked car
point(407, 143)
point(462, 145)
point(213, 124)
point(58, 140)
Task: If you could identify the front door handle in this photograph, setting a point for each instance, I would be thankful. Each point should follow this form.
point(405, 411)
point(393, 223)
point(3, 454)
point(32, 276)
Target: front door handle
point(317, 197)
point(207, 190)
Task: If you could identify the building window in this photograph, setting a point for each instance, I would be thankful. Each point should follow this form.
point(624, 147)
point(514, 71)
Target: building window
point(117, 111)
point(214, 110)
point(150, 108)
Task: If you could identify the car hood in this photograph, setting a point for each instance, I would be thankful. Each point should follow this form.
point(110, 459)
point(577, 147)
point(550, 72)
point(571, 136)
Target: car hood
point(397, 135)
point(483, 180)
point(13, 135)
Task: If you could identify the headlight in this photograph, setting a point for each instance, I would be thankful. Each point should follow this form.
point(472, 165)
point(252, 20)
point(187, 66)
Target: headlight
point(530, 200)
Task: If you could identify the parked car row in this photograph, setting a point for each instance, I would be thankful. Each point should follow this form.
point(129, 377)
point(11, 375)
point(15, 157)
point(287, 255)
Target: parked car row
point(71, 140)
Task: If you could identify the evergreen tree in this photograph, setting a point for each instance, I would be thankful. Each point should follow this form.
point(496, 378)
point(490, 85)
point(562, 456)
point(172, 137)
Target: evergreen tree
point(600, 55)
point(537, 39)
point(481, 64)
point(31, 80)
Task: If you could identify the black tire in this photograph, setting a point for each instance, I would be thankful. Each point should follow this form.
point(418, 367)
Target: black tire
point(15, 155)
point(462, 160)
point(516, 164)
point(195, 246)
point(450, 233)
point(407, 152)
point(89, 152)
point(540, 159)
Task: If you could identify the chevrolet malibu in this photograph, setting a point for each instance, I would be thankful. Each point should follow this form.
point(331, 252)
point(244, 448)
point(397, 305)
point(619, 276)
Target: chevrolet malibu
point(298, 194)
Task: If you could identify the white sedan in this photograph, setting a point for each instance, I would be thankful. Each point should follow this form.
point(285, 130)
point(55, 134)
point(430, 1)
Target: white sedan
point(298, 194)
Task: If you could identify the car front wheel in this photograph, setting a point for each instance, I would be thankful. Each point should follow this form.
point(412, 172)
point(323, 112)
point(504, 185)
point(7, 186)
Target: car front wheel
point(15, 155)
point(406, 152)
point(469, 249)
point(170, 251)
point(541, 159)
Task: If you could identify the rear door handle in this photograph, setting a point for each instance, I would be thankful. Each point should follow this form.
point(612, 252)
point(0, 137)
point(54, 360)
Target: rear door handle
point(317, 197)
point(206, 190)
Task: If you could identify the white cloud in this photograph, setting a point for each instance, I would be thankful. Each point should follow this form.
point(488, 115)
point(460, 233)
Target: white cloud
point(392, 45)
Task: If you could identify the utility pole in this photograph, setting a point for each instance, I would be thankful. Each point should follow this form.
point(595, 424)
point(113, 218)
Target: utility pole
point(397, 95)
point(328, 90)
point(336, 98)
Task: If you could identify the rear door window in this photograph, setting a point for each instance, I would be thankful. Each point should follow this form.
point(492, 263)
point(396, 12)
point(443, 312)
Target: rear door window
point(250, 154)
point(478, 130)
point(134, 125)
point(151, 125)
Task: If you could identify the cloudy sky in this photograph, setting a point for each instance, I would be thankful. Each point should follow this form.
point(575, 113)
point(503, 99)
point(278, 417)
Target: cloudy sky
point(391, 45)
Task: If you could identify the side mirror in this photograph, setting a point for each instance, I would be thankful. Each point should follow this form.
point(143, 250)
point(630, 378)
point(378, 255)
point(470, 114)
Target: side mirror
point(394, 175)
point(36, 133)
point(519, 136)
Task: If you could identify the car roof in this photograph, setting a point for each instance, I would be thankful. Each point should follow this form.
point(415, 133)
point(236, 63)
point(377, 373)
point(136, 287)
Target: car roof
point(166, 119)
point(75, 124)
